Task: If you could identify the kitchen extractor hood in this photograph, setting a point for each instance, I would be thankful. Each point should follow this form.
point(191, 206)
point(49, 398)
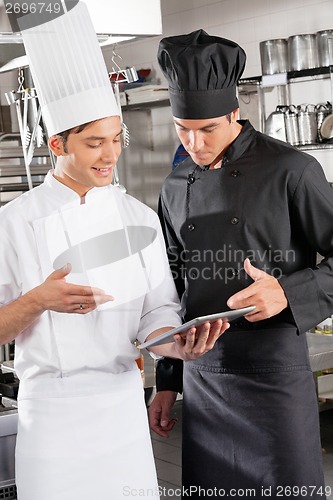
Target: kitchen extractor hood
point(114, 22)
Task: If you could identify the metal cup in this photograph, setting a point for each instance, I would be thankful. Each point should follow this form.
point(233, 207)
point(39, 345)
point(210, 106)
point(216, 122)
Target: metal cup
point(307, 127)
point(291, 123)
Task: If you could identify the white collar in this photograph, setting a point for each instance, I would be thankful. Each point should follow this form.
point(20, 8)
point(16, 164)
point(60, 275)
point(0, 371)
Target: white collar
point(67, 194)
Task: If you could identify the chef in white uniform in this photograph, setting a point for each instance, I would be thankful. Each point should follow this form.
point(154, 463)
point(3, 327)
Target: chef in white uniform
point(83, 275)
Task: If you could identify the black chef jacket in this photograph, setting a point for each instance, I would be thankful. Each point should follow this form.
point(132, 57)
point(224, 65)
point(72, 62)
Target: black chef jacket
point(271, 203)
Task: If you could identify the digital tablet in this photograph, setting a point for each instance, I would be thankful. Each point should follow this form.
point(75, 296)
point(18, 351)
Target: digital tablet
point(166, 337)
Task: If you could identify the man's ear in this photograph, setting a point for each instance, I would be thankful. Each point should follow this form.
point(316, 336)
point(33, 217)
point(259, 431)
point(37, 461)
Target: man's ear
point(234, 115)
point(56, 145)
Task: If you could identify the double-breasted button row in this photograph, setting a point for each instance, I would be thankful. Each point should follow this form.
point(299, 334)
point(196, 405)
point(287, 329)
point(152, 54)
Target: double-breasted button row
point(235, 173)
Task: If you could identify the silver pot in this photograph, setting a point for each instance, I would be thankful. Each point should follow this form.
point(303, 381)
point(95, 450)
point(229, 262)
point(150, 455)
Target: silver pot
point(291, 123)
point(323, 47)
point(307, 125)
point(303, 52)
point(275, 125)
point(274, 56)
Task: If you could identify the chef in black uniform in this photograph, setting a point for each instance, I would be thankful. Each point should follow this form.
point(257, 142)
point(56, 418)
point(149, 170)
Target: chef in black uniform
point(243, 217)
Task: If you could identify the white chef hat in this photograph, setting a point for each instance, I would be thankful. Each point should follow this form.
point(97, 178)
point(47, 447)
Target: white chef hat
point(69, 71)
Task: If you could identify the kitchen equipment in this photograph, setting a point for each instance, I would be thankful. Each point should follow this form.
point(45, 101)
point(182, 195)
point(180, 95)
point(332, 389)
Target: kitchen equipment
point(307, 125)
point(124, 138)
point(291, 123)
point(303, 52)
point(275, 124)
point(8, 385)
point(322, 111)
point(26, 97)
point(323, 46)
point(8, 431)
point(274, 56)
point(116, 180)
point(326, 129)
point(13, 178)
point(117, 76)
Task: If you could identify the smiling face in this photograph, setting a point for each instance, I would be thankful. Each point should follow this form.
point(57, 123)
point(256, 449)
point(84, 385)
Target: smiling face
point(207, 140)
point(87, 158)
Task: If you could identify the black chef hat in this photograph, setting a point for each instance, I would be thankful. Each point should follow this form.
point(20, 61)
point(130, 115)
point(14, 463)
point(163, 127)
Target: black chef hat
point(202, 73)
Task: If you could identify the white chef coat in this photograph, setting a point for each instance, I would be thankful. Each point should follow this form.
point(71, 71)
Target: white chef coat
point(80, 391)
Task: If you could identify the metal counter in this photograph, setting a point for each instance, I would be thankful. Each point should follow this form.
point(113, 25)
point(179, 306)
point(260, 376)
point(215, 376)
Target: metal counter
point(8, 431)
point(321, 358)
point(320, 351)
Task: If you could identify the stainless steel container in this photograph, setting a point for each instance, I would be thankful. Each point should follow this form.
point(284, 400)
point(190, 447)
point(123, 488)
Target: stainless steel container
point(275, 124)
point(291, 123)
point(303, 52)
point(323, 47)
point(8, 430)
point(274, 56)
point(322, 111)
point(307, 126)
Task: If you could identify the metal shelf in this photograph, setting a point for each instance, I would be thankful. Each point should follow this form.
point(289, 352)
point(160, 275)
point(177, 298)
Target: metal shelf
point(313, 147)
point(146, 105)
point(18, 187)
point(282, 81)
point(20, 171)
point(17, 152)
point(314, 73)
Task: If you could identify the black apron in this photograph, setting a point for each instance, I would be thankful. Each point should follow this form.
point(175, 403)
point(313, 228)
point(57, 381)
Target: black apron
point(250, 418)
point(251, 432)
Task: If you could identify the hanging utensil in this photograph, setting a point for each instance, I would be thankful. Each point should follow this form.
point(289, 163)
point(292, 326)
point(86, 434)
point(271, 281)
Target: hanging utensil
point(116, 180)
point(121, 76)
point(124, 139)
point(25, 155)
point(34, 136)
point(36, 112)
point(117, 76)
point(26, 129)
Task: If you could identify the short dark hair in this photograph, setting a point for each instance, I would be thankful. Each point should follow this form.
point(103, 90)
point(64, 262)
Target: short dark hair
point(75, 130)
point(228, 117)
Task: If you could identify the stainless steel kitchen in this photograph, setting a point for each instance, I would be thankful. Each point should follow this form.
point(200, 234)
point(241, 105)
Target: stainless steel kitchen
point(285, 94)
